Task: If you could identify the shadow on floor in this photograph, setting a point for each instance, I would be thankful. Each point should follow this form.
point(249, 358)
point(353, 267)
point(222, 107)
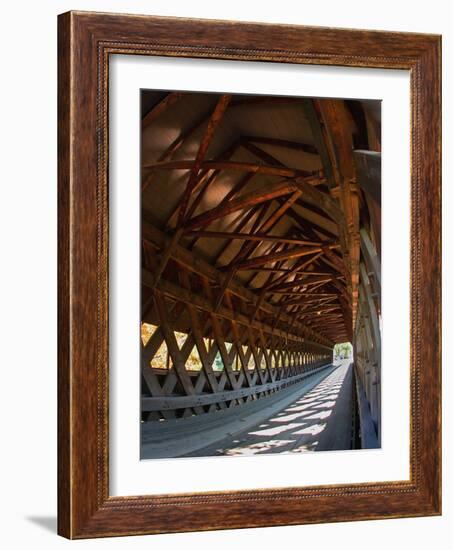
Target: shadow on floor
point(301, 426)
point(48, 523)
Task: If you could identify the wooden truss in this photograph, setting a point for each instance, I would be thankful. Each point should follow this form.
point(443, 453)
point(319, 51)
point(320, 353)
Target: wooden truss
point(300, 246)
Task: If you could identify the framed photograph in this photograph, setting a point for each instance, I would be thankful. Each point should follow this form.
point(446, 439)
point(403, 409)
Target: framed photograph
point(249, 275)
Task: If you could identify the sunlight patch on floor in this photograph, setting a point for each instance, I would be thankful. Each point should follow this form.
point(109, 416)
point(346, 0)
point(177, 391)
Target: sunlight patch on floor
point(324, 405)
point(278, 429)
point(320, 415)
point(288, 417)
point(311, 430)
point(258, 447)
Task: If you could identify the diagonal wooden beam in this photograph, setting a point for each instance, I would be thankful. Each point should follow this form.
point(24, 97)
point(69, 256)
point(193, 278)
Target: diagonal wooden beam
point(172, 345)
point(311, 302)
point(279, 212)
point(247, 200)
point(260, 153)
point(185, 134)
point(314, 178)
point(167, 253)
point(204, 180)
point(301, 299)
point(267, 225)
point(307, 219)
point(174, 146)
point(298, 267)
point(284, 143)
point(301, 282)
point(295, 252)
point(315, 198)
point(243, 250)
point(306, 293)
point(318, 133)
point(160, 108)
point(249, 237)
point(287, 270)
point(262, 294)
point(213, 124)
point(250, 247)
point(198, 337)
point(199, 266)
point(196, 300)
point(227, 363)
point(320, 310)
point(237, 188)
point(336, 262)
point(238, 344)
point(320, 200)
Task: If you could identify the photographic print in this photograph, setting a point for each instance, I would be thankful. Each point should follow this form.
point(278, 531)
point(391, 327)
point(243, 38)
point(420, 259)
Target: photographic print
point(221, 244)
point(260, 274)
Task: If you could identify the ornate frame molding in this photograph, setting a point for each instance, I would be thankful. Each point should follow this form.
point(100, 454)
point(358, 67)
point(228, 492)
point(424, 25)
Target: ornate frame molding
point(86, 40)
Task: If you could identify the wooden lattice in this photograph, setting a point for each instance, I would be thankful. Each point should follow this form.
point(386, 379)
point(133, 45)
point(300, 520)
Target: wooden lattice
point(253, 367)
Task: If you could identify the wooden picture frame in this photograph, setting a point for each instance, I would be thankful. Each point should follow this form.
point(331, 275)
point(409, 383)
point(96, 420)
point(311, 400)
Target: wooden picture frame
point(85, 42)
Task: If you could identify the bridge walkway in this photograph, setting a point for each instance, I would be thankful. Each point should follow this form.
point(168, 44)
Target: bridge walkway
point(317, 420)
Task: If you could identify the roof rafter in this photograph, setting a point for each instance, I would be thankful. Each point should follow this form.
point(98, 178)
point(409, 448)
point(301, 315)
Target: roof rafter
point(248, 237)
point(315, 178)
point(213, 124)
point(263, 194)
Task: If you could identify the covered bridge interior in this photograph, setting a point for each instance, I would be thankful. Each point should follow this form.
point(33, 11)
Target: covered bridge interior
point(261, 231)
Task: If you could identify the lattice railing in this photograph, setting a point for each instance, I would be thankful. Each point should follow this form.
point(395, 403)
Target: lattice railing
point(189, 373)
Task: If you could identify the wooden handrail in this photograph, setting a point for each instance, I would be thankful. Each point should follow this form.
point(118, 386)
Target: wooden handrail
point(183, 401)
